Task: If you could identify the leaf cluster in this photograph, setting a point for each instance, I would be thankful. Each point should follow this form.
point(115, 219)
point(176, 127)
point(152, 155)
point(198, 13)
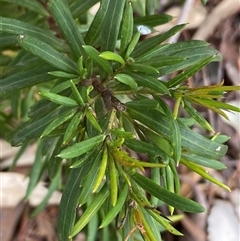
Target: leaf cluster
point(91, 91)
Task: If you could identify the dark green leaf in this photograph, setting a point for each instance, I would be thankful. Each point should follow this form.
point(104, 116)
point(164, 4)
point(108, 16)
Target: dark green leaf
point(197, 116)
point(191, 140)
point(69, 203)
point(127, 28)
point(68, 26)
point(81, 6)
point(148, 44)
point(203, 161)
point(47, 53)
point(17, 27)
point(95, 205)
point(170, 198)
point(31, 5)
point(148, 81)
point(146, 148)
point(59, 121)
point(33, 129)
point(153, 20)
point(95, 29)
point(25, 79)
point(190, 71)
point(111, 25)
point(175, 136)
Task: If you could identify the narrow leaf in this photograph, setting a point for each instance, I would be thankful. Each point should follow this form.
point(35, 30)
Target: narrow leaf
point(153, 20)
point(148, 44)
point(94, 54)
point(111, 25)
point(127, 28)
point(66, 23)
point(148, 81)
point(59, 99)
point(17, 27)
point(58, 121)
point(189, 72)
point(47, 53)
point(95, 205)
point(24, 79)
point(207, 162)
point(196, 168)
point(116, 209)
point(172, 199)
point(69, 202)
point(81, 147)
point(32, 5)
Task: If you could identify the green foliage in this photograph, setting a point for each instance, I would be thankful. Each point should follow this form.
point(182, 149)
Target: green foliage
point(89, 91)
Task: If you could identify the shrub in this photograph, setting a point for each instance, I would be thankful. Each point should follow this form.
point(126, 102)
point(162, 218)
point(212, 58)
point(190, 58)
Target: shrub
point(90, 90)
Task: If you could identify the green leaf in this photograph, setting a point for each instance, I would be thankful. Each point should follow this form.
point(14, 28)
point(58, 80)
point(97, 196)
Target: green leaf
point(144, 68)
point(81, 6)
point(81, 147)
point(218, 104)
point(189, 72)
point(17, 27)
point(148, 44)
point(198, 169)
point(66, 23)
point(148, 81)
point(111, 25)
point(191, 140)
point(113, 212)
point(92, 119)
point(153, 20)
point(158, 62)
point(62, 74)
point(59, 99)
point(76, 93)
point(132, 44)
point(34, 128)
point(94, 54)
point(59, 121)
point(88, 183)
point(207, 162)
point(146, 148)
point(127, 80)
point(95, 29)
point(143, 104)
point(25, 79)
point(197, 116)
point(72, 128)
point(108, 55)
point(31, 5)
point(175, 135)
point(47, 53)
point(165, 223)
point(95, 205)
point(127, 28)
point(69, 202)
point(172, 199)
